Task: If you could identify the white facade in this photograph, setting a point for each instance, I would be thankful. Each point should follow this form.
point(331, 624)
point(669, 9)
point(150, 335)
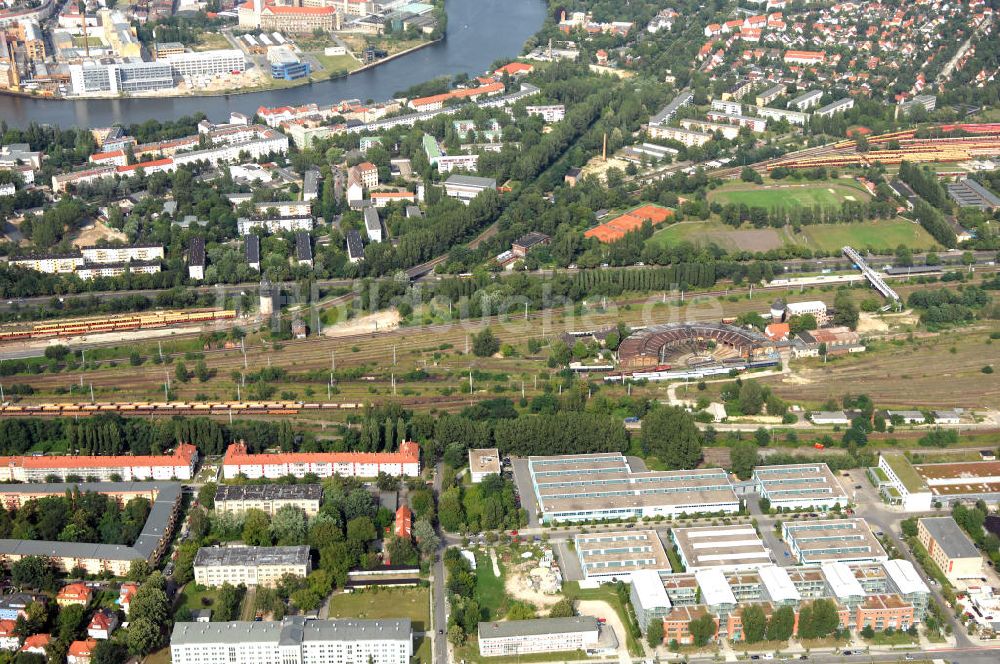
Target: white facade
point(806, 100)
point(446, 163)
point(121, 254)
point(799, 486)
point(404, 463)
point(295, 640)
point(686, 136)
point(793, 117)
point(251, 566)
point(373, 226)
point(917, 496)
point(291, 224)
point(551, 113)
point(207, 63)
point(521, 637)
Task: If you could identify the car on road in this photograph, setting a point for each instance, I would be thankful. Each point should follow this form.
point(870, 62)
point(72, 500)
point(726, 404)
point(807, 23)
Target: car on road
point(767, 656)
point(440, 631)
point(786, 554)
point(754, 656)
point(857, 486)
point(847, 653)
point(909, 657)
point(803, 656)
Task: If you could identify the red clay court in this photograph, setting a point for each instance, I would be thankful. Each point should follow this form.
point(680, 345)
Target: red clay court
point(614, 230)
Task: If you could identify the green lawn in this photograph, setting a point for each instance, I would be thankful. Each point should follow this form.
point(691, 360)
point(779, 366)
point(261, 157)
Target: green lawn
point(894, 639)
point(336, 63)
point(373, 604)
point(884, 234)
point(490, 591)
point(191, 598)
point(786, 193)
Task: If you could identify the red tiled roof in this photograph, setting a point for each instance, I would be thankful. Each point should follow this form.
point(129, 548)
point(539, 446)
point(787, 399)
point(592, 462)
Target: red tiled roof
point(404, 521)
point(145, 164)
point(82, 648)
point(515, 68)
point(74, 591)
point(181, 456)
point(7, 627)
point(38, 641)
point(236, 454)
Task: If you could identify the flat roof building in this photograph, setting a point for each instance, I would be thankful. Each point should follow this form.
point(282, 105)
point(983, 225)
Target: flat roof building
point(293, 639)
point(614, 556)
point(950, 548)
point(250, 565)
point(843, 540)
point(799, 486)
point(268, 498)
point(483, 462)
point(720, 547)
point(649, 597)
point(522, 637)
point(590, 487)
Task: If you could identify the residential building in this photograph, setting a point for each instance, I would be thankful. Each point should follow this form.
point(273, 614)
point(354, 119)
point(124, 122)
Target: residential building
point(728, 548)
point(74, 594)
point(404, 463)
point(550, 113)
point(799, 486)
point(839, 106)
point(368, 174)
point(102, 624)
point(770, 94)
point(36, 644)
point(196, 259)
point(467, 187)
point(950, 548)
point(268, 498)
point(667, 113)
point(9, 639)
point(373, 225)
point(687, 137)
point(510, 638)
point(614, 556)
point(355, 248)
point(404, 522)
point(80, 652)
point(310, 185)
point(778, 114)
point(251, 245)
point(584, 487)
point(176, 466)
point(15, 605)
point(649, 597)
point(293, 639)
point(806, 100)
point(250, 565)
point(805, 57)
point(814, 542)
point(281, 223)
point(96, 559)
point(381, 199)
point(483, 462)
point(126, 592)
point(303, 249)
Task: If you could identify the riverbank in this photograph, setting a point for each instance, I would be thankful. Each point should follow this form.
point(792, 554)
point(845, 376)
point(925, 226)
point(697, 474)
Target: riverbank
point(479, 32)
point(281, 85)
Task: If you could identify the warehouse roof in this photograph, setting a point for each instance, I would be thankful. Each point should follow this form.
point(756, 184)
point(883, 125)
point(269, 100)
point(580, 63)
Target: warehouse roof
point(950, 537)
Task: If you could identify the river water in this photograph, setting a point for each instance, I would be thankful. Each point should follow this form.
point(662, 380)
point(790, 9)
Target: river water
point(479, 32)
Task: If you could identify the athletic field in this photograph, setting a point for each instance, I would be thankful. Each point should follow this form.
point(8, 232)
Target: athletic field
point(828, 193)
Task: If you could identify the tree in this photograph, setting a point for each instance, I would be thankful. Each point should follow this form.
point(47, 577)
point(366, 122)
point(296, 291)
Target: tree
point(702, 629)
point(143, 636)
point(257, 528)
point(181, 373)
point(206, 495)
point(563, 609)
point(33, 572)
point(288, 527)
point(670, 434)
point(71, 621)
point(427, 540)
point(485, 343)
point(521, 611)
point(138, 570)
point(654, 633)
point(456, 635)
point(867, 632)
point(109, 652)
point(150, 602)
point(845, 311)
point(754, 623)
point(202, 372)
point(361, 530)
point(781, 625)
point(743, 458)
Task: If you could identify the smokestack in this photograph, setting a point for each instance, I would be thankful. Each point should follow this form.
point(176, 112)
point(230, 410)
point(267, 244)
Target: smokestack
point(604, 150)
point(83, 19)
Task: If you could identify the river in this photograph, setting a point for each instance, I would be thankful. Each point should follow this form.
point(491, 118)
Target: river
point(479, 32)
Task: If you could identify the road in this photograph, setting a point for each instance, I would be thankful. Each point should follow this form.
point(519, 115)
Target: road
point(439, 608)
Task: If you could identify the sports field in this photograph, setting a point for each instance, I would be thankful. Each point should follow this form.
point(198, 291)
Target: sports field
point(884, 234)
point(780, 194)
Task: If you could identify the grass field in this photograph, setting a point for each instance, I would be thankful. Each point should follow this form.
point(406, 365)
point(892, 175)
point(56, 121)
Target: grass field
point(876, 234)
point(412, 603)
point(782, 194)
point(490, 591)
point(333, 64)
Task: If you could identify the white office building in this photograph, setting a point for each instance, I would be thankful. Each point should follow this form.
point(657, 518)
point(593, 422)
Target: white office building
point(294, 640)
point(207, 63)
point(510, 638)
point(799, 486)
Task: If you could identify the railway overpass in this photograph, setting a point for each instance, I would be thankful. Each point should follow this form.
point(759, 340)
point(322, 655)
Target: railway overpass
point(873, 277)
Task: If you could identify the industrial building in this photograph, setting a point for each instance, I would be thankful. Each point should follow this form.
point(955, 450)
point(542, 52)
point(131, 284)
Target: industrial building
point(483, 462)
point(268, 498)
point(590, 487)
point(521, 637)
point(799, 486)
point(728, 548)
point(918, 486)
point(294, 639)
point(950, 548)
point(614, 556)
point(250, 565)
point(844, 540)
point(969, 193)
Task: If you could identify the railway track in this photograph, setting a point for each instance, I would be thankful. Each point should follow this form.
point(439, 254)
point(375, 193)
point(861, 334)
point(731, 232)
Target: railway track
point(118, 323)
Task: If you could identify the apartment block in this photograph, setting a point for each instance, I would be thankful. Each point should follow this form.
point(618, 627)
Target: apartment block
point(268, 498)
point(250, 565)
